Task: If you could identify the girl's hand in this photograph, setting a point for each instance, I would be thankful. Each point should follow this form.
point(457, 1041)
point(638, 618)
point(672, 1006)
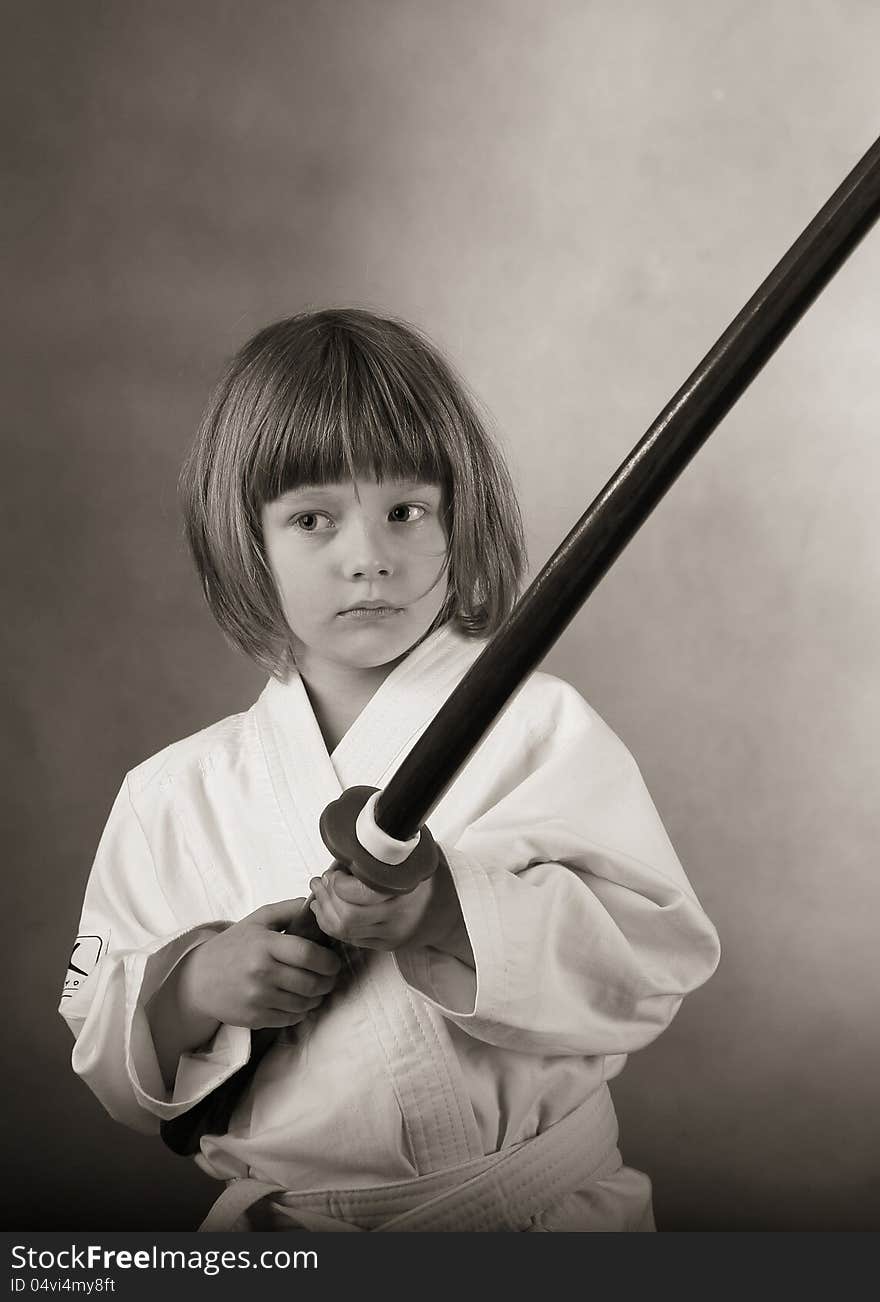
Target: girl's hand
point(253, 975)
point(430, 914)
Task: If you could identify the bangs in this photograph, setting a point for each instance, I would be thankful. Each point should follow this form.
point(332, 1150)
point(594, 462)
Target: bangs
point(348, 408)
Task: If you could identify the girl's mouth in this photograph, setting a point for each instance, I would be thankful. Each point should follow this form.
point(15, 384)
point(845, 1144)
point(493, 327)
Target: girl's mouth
point(369, 612)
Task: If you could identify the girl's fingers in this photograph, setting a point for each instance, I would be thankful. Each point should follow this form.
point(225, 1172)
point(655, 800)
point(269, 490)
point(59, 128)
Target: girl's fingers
point(297, 981)
point(282, 1001)
point(348, 888)
point(283, 914)
point(277, 1019)
point(299, 955)
point(324, 909)
point(356, 924)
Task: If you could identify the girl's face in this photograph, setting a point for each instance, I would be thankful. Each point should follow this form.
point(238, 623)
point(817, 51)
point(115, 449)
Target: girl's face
point(358, 568)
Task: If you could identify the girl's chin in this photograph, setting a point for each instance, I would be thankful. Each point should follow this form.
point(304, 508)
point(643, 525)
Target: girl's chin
point(377, 642)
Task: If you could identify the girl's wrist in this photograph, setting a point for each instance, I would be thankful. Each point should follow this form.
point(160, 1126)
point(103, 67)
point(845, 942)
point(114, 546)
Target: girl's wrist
point(189, 988)
point(177, 1025)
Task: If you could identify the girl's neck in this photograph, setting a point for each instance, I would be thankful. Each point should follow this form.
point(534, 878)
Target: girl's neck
point(338, 694)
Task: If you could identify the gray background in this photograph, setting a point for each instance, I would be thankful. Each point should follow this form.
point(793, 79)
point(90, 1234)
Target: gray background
point(573, 198)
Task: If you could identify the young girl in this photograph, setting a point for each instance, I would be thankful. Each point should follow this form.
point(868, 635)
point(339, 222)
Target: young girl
point(357, 535)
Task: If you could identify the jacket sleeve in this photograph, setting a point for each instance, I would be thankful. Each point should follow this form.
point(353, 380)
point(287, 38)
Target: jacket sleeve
point(136, 926)
point(585, 931)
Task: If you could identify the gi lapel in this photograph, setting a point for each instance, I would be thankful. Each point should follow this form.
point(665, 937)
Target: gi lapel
point(306, 778)
point(410, 1036)
point(303, 777)
point(386, 730)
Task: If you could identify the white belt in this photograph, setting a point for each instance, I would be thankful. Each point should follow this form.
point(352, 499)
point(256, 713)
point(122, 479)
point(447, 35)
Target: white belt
point(502, 1191)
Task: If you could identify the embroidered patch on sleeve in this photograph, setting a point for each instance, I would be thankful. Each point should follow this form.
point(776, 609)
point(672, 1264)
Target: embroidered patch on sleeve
point(84, 958)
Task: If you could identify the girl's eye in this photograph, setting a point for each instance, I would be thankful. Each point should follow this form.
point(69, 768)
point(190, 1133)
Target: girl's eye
point(310, 521)
point(406, 508)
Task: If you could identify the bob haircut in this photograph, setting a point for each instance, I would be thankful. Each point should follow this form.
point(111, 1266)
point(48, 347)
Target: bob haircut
point(325, 397)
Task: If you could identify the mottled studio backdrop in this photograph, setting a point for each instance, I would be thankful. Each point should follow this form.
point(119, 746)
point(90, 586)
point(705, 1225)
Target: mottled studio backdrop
point(573, 197)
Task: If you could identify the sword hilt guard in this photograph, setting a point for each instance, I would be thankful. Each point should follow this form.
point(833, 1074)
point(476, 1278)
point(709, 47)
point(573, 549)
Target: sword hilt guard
point(347, 824)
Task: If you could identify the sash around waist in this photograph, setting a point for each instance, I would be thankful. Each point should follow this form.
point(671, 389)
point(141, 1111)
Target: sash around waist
point(502, 1191)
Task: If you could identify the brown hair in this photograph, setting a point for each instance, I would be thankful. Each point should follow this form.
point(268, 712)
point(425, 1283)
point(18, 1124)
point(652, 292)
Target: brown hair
point(328, 396)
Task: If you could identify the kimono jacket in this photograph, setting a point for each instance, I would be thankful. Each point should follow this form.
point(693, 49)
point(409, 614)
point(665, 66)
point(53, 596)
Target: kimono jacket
point(418, 1075)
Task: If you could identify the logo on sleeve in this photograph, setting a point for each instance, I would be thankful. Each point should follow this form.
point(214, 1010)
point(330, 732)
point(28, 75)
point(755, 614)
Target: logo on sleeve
point(82, 962)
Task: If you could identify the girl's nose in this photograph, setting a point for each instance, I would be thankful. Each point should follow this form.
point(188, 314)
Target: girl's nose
point(366, 556)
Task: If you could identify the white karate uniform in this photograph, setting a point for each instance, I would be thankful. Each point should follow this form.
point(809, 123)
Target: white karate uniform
point(417, 1075)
